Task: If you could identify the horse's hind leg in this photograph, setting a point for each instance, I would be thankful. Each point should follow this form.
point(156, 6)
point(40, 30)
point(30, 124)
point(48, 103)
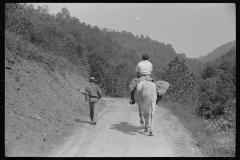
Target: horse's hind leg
point(151, 127)
point(141, 116)
point(141, 121)
point(146, 117)
point(146, 126)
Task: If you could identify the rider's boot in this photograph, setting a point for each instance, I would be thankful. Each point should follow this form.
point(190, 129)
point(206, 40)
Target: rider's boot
point(132, 101)
point(159, 98)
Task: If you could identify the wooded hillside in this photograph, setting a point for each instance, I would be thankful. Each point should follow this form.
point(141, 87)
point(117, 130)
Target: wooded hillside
point(83, 45)
point(217, 52)
point(161, 53)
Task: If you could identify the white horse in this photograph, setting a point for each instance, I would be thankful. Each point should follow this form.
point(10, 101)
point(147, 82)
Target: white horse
point(146, 95)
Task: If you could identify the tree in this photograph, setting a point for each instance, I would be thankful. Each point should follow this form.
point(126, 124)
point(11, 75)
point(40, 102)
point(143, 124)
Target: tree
point(44, 9)
point(209, 71)
point(218, 87)
point(184, 87)
point(65, 13)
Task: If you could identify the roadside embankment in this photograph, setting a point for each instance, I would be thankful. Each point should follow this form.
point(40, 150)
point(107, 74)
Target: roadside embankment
point(42, 103)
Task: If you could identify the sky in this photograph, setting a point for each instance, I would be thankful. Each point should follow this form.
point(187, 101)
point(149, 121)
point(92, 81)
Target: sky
point(191, 28)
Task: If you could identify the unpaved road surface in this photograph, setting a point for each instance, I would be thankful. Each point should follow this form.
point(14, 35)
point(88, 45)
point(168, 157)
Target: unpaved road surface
point(119, 134)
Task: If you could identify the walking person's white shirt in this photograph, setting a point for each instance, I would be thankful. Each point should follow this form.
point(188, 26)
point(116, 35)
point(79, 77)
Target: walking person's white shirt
point(144, 67)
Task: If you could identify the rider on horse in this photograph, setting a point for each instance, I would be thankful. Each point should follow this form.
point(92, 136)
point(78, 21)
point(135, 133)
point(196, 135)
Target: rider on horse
point(143, 69)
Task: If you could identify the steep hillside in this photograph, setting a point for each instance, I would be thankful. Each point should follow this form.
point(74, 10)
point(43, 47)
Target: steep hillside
point(218, 52)
point(42, 103)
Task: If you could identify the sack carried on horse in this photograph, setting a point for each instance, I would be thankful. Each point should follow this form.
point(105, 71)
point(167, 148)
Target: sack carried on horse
point(162, 87)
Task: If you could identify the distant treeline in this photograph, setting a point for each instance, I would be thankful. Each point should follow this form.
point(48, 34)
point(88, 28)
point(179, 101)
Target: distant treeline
point(208, 90)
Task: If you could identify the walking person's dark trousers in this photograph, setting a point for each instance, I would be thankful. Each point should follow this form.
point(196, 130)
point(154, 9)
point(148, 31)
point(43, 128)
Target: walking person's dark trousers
point(93, 109)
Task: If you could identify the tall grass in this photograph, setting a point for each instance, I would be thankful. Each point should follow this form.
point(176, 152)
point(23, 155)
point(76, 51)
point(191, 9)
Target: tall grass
point(212, 141)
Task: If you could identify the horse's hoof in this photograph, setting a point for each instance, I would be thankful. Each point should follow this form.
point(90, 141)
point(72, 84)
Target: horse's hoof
point(146, 130)
point(151, 134)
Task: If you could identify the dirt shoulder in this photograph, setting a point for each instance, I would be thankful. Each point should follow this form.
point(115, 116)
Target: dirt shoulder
point(119, 134)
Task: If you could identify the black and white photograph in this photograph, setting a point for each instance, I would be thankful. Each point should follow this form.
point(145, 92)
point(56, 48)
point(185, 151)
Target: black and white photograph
point(120, 80)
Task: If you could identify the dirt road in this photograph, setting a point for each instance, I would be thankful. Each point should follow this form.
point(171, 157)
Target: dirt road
point(119, 134)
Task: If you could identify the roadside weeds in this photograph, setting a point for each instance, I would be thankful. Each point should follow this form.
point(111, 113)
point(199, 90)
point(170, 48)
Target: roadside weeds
point(212, 141)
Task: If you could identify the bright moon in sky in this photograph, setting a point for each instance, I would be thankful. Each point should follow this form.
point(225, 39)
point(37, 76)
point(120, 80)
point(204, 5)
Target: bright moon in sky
point(137, 18)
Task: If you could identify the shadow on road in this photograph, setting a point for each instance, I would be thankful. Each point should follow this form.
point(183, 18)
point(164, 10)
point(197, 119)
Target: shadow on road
point(127, 128)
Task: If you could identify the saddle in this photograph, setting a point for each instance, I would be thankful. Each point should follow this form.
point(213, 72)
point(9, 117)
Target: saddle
point(146, 78)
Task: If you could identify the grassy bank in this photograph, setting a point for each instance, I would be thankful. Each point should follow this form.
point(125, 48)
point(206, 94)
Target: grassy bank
point(212, 141)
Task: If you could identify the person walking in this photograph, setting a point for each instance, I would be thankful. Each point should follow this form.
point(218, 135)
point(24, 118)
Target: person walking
point(92, 95)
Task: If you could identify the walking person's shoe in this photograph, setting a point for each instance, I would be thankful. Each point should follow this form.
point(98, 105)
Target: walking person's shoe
point(94, 123)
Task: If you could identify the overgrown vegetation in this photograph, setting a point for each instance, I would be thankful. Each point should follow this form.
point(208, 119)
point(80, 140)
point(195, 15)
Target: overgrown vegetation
point(211, 139)
point(208, 105)
point(218, 87)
